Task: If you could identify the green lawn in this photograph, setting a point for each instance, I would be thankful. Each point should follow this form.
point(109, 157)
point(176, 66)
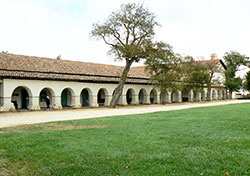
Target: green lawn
point(199, 141)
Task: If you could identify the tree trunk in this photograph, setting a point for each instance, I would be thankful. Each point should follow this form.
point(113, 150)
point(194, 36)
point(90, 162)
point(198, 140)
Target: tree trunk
point(230, 94)
point(209, 97)
point(119, 88)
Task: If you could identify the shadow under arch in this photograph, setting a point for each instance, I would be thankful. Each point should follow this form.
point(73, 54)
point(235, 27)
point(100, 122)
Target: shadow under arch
point(142, 96)
point(46, 97)
point(130, 96)
point(85, 99)
point(102, 99)
point(67, 97)
point(21, 97)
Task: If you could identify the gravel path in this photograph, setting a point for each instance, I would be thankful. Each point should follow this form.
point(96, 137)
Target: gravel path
point(21, 118)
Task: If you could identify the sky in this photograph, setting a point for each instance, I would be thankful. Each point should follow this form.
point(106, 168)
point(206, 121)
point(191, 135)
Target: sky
point(48, 28)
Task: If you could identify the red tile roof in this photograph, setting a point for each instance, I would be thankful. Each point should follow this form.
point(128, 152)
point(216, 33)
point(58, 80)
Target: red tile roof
point(19, 66)
point(30, 67)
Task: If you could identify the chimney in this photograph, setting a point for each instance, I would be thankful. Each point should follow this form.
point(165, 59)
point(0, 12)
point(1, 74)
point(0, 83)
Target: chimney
point(213, 56)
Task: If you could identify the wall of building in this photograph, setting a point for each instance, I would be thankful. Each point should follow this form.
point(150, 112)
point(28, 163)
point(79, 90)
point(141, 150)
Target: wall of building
point(34, 88)
point(219, 76)
point(11, 92)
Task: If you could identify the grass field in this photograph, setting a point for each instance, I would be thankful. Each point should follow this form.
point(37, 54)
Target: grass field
point(199, 141)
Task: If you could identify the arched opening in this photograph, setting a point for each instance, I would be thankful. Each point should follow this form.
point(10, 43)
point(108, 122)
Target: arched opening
point(20, 98)
point(101, 97)
point(66, 97)
point(153, 96)
point(185, 96)
point(46, 98)
point(213, 95)
point(129, 96)
point(85, 100)
point(142, 96)
point(174, 97)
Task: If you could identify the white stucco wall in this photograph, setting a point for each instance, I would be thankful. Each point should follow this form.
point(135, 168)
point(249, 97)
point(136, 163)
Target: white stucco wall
point(219, 77)
point(34, 87)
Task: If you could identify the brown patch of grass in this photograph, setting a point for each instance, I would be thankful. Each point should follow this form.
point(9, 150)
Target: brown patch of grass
point(49, 127)
point(4, 171)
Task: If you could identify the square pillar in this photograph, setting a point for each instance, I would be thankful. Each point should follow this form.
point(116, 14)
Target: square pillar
point(34, 103)
point(158, 100)
point(198, 96)
point(93, 101)
point(107, 100)
point(191, 96)
point(76, 102)
point(7, 105)
point(135, 99)
point(57, 102)
point(123, 100)
point(147, 101)
point(179, 99)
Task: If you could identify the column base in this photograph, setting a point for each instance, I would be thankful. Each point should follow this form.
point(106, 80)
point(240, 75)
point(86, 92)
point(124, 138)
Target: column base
point(35, 108)
point(6, 108)
point(94, 105)
point(76, 106)
point(57, 106)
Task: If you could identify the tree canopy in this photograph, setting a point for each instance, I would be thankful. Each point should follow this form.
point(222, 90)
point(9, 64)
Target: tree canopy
point(246, 84)
point(234, 60)
point(163, 66)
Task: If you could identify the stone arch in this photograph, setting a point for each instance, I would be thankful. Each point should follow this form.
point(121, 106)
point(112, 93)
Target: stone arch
point(185, 95)
point(213, 95)
point(21, 97)
point(85, 99)
point(46, 97)
point(130, 96)
point(142, 96)
point(153, 96)
point(102, 97)
point(67, 97)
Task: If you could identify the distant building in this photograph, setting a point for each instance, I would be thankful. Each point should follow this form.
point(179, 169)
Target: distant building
point(26, 81)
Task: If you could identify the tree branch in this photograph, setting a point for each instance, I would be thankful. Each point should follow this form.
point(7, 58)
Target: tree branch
point(128, 33)
point(103, 37)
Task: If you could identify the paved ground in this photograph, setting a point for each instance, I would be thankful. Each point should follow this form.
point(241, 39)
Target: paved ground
point(21, 118)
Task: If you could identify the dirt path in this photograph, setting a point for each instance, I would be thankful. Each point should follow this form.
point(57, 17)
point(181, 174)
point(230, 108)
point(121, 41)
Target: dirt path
point(21, 118)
